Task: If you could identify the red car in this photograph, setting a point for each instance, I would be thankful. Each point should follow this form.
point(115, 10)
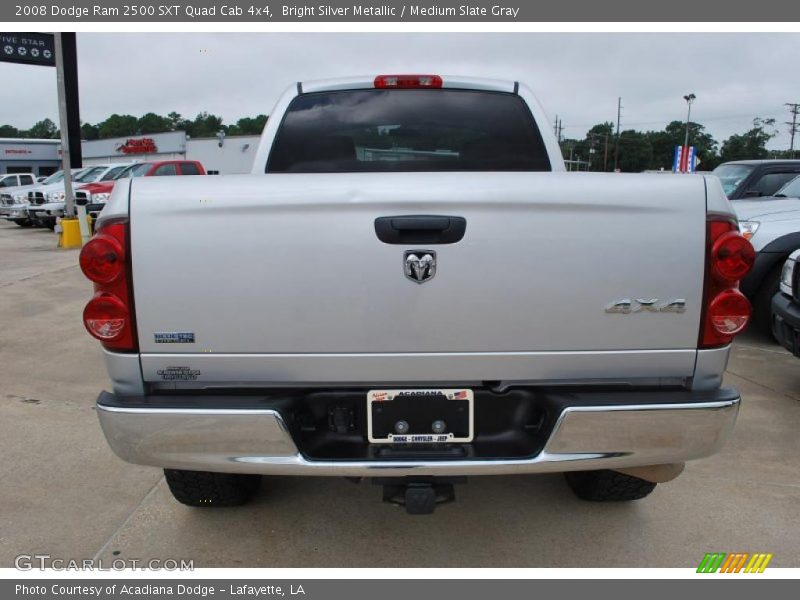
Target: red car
point(97, 193)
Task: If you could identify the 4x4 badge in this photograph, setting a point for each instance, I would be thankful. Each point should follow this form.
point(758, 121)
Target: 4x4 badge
point(419, 265)
point(627, 306)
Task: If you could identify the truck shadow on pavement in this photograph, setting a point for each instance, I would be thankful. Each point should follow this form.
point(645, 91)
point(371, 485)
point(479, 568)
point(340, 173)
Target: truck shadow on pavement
point(332, 522)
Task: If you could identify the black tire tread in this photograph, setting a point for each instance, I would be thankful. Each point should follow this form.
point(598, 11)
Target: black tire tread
point(608, 486)
point(205, 489)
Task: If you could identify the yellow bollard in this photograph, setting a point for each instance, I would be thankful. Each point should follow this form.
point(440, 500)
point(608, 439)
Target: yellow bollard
point(70, 236)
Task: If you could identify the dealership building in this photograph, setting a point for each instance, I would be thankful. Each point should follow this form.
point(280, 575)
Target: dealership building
point(221, 155)
point(21, 155)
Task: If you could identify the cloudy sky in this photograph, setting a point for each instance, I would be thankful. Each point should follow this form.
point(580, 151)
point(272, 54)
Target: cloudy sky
point(577, 76)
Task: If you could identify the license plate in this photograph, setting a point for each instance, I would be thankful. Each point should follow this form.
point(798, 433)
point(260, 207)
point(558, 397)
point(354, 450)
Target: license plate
point(431, 416)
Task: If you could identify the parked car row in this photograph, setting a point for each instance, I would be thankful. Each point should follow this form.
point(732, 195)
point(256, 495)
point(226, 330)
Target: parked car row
point(28, 203)
point(766, 197)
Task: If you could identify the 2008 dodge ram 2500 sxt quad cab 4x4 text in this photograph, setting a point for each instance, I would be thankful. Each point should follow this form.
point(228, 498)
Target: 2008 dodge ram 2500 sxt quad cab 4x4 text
point(409, 287)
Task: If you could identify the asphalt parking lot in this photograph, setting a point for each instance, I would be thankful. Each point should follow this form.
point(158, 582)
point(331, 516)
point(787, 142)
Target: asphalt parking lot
point(64, 493)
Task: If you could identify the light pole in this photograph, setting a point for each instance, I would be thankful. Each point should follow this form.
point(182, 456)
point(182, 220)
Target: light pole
point(689, 99)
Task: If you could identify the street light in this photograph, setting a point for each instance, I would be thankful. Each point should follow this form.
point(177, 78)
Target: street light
point(689, 99)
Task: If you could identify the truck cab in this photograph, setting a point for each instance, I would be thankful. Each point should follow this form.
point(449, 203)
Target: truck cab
point(14, 189)
point(13, 180)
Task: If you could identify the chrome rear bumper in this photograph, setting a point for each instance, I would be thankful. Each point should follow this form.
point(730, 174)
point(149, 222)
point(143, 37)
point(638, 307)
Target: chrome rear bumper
point(258, 440)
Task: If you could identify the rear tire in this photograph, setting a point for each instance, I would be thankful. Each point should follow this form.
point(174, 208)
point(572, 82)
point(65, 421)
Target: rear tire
point(201, 488)
point(24, 223)
point(762, 302)
point(608, 486)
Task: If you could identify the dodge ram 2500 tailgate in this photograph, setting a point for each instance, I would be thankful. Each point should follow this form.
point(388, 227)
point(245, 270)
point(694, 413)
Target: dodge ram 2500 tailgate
point(284, 278)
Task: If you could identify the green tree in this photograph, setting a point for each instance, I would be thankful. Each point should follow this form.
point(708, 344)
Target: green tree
point(176, 121)
point(674, 134)
point(9, 131)
point(44, 129)
point(204, 125)
point(751, 144)
point(118, 126)
point(153, 123)
point(248, 126)
point(598, 147)
point(89, 131)
point(635, 151)
point(782, 154)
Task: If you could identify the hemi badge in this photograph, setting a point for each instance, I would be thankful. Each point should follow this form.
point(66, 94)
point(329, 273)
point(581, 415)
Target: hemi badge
point(174, 338)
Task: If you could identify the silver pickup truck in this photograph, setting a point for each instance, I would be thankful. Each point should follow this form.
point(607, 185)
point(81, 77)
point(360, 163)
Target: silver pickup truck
point(409, 287)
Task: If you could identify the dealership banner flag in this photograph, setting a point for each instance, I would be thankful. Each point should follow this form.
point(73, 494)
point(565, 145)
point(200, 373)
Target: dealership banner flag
point(683, 160)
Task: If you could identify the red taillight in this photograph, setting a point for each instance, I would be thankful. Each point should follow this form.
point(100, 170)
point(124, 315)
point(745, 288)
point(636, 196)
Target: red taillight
point(109, 315)
point(407, 81)
point(102, 259)
point(729, 257)
point(729, 312)
point(106, 317)
point(732, 257)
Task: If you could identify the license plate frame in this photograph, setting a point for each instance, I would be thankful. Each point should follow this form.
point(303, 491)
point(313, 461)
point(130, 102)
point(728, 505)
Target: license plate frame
point(453, 405)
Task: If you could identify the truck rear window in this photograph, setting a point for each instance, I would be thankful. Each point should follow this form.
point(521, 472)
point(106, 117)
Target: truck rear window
point(407, 130)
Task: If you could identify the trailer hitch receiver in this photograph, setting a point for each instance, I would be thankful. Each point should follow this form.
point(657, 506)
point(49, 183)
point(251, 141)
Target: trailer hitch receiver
point(419, 495)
